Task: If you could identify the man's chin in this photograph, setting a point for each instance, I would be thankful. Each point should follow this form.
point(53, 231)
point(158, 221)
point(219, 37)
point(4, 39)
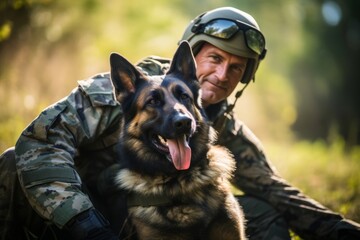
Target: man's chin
point(210, 96)
point(206, 101)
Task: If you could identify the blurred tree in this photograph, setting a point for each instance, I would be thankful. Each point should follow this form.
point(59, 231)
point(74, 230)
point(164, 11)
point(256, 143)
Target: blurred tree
point(326, 77)
point(46, 45)
point(14, 16)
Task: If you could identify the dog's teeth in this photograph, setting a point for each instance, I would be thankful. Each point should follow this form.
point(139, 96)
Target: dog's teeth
point(163, 140)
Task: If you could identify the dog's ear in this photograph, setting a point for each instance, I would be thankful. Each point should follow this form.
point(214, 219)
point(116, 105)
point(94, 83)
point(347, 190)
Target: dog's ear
point(183, 62)
point(124, 76)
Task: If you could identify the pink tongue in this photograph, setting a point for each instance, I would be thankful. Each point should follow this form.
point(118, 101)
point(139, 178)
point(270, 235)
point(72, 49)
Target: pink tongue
point(180, 153)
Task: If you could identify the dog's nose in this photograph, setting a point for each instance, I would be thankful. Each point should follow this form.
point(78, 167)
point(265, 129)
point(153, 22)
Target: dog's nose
point(182, 124)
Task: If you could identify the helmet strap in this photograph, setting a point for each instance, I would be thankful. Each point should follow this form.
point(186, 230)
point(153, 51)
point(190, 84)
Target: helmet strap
point(220, 123)
point(230, 107)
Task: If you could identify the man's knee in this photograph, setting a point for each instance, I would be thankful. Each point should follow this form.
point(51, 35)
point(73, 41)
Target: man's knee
point(8, 157)
point(262, 220)
point(7, 171)
point(8, 180)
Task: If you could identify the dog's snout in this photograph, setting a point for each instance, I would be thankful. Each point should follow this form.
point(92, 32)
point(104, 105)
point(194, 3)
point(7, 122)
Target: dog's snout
point(182, 123)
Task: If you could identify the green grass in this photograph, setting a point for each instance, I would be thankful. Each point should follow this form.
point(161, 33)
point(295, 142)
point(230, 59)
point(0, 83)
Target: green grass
point(328, 173)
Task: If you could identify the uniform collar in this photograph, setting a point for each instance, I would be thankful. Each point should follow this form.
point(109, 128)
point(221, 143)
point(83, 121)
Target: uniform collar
point(214, 111)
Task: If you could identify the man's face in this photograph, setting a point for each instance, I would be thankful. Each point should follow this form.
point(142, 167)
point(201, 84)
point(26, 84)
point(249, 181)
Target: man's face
point(218, 72)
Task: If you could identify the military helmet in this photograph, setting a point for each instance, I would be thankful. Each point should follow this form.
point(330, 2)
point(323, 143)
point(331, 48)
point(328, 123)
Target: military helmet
point(231, 30)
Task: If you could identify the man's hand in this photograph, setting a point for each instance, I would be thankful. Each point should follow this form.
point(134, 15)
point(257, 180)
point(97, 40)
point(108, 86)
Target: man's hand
point(90, 225)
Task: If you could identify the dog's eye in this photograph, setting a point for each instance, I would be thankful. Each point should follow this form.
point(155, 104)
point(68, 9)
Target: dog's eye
point(153, 102)
point(184, 96)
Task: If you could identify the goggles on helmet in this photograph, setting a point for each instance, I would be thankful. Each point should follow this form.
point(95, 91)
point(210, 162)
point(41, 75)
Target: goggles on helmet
point(226, 28)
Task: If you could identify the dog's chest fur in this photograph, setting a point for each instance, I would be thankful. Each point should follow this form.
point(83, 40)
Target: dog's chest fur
point(191, 197)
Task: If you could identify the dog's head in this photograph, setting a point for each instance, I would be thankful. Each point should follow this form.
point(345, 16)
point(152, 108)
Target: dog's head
point(163, 128)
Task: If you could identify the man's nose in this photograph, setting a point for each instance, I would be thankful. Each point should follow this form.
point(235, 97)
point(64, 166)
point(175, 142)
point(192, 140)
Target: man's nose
point(222, 73)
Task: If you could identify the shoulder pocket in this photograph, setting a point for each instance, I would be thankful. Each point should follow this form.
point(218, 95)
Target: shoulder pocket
point(154, 65)
point(99, 89)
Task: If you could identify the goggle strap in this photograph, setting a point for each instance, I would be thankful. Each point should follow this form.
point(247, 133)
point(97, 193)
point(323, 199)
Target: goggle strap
point(263, 54)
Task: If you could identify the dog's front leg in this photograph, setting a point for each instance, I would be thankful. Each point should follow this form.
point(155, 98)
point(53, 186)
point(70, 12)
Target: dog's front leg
point(229, 223)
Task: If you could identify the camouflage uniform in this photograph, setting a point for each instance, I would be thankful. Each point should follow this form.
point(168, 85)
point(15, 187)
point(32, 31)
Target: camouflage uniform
point(73, 140)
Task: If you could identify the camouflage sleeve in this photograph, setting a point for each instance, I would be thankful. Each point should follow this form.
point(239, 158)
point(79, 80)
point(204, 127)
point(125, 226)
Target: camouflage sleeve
point(154, 65)
point(257, 177)
point(46, 149)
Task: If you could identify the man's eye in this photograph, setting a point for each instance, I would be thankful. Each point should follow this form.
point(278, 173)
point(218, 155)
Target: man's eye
point(216, 58)
point(237, 68)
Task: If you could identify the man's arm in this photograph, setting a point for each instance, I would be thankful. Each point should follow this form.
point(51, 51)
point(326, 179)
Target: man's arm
point(256, 176)
point(46, 149)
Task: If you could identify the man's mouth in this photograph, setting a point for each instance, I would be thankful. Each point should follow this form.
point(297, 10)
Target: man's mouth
point(176, 150)
point(216, 85)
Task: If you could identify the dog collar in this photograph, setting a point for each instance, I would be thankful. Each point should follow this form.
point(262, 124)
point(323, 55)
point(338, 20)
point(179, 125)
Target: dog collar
point(135, 199)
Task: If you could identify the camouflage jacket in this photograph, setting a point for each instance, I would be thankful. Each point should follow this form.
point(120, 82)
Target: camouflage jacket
point(65, 145)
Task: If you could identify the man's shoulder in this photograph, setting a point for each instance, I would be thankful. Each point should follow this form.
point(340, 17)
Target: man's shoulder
point(154, 65)
point(249, 136)
point(99, 83)
point(99, 89)
point(233, 127)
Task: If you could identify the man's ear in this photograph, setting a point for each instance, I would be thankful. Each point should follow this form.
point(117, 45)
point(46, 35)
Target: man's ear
point(183, 62)
point(124, 76)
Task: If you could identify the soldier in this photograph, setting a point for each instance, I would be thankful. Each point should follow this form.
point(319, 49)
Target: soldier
point(74, 139)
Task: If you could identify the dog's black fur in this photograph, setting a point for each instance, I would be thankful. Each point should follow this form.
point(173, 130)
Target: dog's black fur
point(176, 180)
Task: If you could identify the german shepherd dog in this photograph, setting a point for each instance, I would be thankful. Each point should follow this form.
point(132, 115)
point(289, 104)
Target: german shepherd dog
point(176, 179)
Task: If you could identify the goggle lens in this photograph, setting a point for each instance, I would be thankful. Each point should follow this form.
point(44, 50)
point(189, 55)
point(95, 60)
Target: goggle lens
point(221, 29)
point(255, 41)
point(225, 29)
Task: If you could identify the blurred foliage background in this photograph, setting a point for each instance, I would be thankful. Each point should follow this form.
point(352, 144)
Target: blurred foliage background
point(304, 105)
